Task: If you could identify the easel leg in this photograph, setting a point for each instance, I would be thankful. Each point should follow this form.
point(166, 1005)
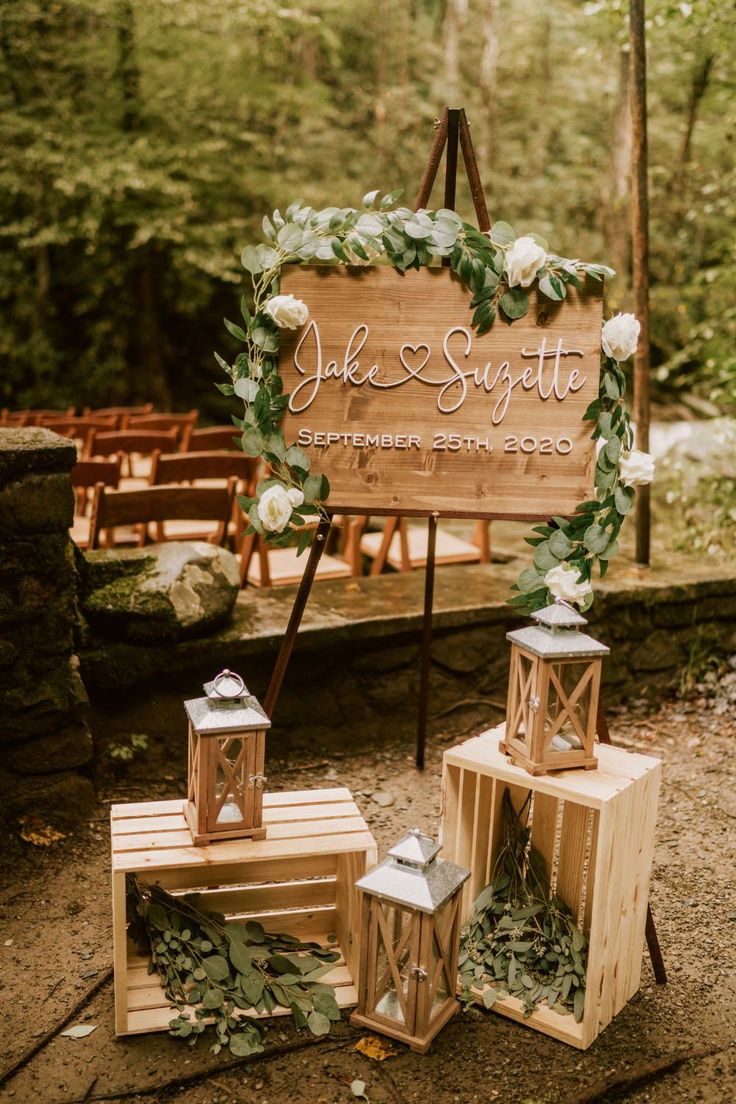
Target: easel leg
point(655, 951)
point(297, 612)
point(426, 641)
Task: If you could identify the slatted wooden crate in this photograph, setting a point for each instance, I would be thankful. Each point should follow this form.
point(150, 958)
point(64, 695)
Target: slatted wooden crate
point(595, 831)
point(299, 880)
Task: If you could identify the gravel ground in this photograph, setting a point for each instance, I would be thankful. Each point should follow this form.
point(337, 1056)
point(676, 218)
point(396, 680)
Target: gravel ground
point(56, 940)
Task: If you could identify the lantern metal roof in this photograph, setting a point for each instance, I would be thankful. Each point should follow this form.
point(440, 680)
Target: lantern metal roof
point(413, 876)
point(227, 707)
point(556, 636)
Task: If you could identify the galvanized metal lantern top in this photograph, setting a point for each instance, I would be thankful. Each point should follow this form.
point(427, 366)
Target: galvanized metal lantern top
point(227, 707)
point(556, 635)
point(413, 876)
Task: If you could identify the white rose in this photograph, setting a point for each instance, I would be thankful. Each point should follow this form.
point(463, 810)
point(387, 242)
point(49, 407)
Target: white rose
point(523, 261)
point(620, 336)
point(564, 582)
point(295, 496)
point(274, 508)
point(635, 468)
point(246, 389)
point(288, 312)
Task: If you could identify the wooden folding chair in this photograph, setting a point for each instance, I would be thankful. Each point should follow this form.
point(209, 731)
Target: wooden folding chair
point(85, 475)
point(213, 437)
point(133, 443)
point(117, 412)
point(78, 429)
point(163, 503)
point(14, 419)
point(205, 468)
point(404, 547)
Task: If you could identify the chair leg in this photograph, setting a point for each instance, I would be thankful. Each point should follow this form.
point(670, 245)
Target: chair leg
point(404, 545)
point(246, 555)
point(482, 539)
point(354, 530)
point(380, 561)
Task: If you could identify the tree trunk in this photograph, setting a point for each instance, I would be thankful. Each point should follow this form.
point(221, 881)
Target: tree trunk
point(616, 207)
point(698, 87)
point(127, 70)
point(488, 146)
point(455, 12)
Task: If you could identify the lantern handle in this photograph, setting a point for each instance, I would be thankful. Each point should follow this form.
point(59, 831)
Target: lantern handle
point(567, 605)
point(229, 675)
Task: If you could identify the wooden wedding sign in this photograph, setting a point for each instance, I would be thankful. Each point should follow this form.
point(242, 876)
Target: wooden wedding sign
point(407, 411)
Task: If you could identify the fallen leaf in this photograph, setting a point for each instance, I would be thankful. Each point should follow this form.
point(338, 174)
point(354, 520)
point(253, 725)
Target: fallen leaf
point(79, 1031)
point(358, 1089)
point(40, 835)
point(373, 1046)
point(8, 943)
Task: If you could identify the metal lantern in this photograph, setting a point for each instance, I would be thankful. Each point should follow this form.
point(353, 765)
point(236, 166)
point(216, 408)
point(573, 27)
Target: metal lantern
point(554, 683)
point(227, 749)
point(409, 942)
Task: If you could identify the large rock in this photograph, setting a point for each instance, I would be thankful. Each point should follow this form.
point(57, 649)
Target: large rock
point(162, 592)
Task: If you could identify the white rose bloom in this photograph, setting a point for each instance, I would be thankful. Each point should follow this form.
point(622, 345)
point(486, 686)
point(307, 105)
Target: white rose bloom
point(635, 468)
point(620, 336)
point(274, 508)
point(246, 389)
point(288, 312)
point(295, 496)
point(564, 582)
point(523, 261)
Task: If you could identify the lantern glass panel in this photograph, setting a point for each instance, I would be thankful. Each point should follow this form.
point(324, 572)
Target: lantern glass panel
point(231, 779)
point(439, 961)
point(395, 945)
point(568, 706)
point(526, 671)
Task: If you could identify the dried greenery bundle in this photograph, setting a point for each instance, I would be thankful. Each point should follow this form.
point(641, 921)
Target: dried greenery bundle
point(216, 971)
point(522, 940)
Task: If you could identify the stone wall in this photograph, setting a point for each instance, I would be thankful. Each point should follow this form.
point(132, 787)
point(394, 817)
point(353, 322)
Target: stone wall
point(43, 704)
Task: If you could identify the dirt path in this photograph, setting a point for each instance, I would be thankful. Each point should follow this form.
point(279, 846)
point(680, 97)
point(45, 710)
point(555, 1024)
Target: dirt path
point(55, 942)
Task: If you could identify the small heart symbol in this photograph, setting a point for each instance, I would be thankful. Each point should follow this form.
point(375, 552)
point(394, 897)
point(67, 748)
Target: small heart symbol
point(413, 351)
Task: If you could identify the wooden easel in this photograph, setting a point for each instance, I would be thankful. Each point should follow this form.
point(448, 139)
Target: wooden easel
point(452, 131)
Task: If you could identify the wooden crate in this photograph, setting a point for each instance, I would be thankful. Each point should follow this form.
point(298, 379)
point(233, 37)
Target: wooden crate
point(299, 880)
point(595, 830)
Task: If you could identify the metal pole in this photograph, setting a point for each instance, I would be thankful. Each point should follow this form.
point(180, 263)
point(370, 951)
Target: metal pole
point(426, 640)
point(297, 611)
point(640, 256)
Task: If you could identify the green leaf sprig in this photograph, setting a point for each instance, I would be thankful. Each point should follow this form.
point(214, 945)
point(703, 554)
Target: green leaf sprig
point(382, 232)
point(590, 537)
point(217, 972)
point(522, 940)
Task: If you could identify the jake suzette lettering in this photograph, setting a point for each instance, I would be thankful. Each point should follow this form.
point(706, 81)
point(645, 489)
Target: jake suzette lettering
point(548, 375)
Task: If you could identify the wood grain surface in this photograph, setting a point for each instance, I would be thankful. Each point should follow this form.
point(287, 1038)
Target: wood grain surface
point(418, 414)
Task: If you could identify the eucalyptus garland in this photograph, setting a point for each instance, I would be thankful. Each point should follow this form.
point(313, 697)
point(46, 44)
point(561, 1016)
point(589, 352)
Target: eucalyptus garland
point(521, 939)
point(217, 972)
point(498, 268)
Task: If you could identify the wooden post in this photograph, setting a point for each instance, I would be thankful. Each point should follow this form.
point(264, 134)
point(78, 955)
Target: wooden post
point(640, 255)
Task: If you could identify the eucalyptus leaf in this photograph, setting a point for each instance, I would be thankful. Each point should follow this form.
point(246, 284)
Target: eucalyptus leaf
point(515, 303)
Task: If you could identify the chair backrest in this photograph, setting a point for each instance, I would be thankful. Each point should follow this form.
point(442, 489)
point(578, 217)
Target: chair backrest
point(88, 473)
point(117, 412)
point(163, 503)
point(76, 427)
point(14, 419)
point(122, 440)
point(211, 438)
point(185, 467)
point(37, 417)
point(160, 421)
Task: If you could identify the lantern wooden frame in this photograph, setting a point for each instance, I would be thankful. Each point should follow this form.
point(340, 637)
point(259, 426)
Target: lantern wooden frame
point(420, 955)
point(214, 726)
point(540, 656)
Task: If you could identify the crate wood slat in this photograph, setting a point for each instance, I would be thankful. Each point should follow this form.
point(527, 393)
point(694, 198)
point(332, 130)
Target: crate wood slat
point(300, 880)
point(595, 832)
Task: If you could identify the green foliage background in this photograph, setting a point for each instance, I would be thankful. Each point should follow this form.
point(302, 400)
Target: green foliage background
point(142, 140)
